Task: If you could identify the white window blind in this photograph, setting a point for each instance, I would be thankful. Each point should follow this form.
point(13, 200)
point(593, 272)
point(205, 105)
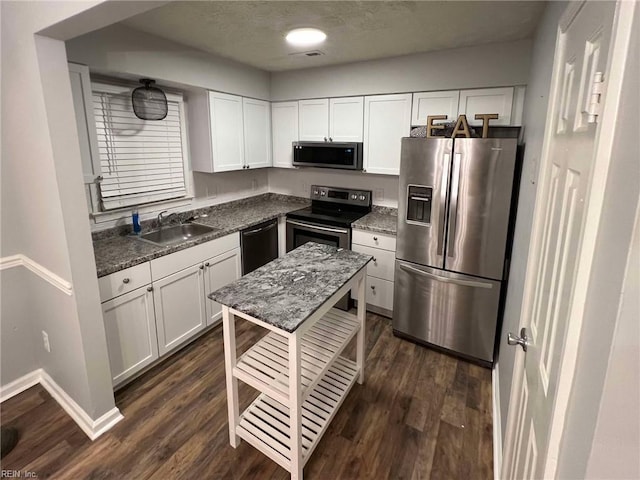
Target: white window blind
point(141, 160)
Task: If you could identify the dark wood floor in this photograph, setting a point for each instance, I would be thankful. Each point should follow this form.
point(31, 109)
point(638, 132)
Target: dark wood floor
point(420, 414)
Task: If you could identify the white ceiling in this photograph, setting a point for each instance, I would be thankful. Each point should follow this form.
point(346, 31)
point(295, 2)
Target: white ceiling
point(253, 32)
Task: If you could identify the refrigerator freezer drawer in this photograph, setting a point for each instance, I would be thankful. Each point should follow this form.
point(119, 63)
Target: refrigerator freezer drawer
point(450, 310)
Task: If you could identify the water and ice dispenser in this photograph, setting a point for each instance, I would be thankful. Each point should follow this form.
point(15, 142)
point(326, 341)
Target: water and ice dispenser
point(419, 204)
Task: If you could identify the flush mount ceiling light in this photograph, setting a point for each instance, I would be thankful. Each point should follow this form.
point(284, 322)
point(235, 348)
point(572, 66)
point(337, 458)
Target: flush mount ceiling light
point(304, 37)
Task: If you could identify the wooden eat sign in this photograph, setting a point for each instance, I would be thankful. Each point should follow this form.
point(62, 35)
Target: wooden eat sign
point(462, 126)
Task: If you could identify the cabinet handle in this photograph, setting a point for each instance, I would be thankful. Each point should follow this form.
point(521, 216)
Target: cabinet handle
point(207, 264)
point(375, 239)
point(375, 260)
point(325, 139)
point(149, 289)
point(248, 166)
point(330, 139)
point(125, 280)
point(373, 287)
point(201, 267)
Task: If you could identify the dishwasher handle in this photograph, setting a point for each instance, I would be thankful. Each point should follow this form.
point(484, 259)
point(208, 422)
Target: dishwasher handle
point(261, 229)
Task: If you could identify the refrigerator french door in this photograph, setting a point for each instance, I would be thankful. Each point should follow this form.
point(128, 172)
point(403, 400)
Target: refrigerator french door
point(453, 222)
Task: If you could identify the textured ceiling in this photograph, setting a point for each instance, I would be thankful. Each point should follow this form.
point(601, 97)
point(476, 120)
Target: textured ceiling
point(253, 32)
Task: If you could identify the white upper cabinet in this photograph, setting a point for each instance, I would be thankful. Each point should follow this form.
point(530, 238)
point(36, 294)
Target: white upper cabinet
point(257, 133)
point(346, 118)
point(387, 118)
point(284, 124)
point(434, 103)
point(487, 100)
point(314, 120)
point(227, 138)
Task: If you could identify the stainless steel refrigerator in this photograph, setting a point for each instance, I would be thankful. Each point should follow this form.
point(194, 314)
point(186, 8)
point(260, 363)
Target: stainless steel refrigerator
point(453, 226)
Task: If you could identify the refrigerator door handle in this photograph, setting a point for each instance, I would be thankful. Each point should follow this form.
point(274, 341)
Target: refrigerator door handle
point(463, 283)
point(453, 209)
point(443, 202)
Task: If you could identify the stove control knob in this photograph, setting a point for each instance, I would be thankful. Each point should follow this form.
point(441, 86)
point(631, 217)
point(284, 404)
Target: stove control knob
point(323, 193)
point(354, 196)
point(362, 197)
point(315, 192)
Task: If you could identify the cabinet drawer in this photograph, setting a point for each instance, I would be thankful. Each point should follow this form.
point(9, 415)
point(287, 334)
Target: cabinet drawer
point(374, 239)
point(379, 292)
point(164, 266)
point(383, 263)
point(124, 281)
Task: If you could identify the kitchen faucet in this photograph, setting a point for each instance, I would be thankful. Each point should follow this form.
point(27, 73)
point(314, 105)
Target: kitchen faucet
point(164, 219)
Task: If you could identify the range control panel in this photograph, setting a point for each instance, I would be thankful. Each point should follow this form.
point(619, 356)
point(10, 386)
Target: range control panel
point(341, 195)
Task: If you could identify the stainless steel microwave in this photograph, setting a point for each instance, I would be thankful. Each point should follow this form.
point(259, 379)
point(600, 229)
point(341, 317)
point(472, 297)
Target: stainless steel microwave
point(346, 156)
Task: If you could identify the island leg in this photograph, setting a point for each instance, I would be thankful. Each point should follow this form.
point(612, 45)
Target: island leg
point(295, 406)
point(362, 311)
point(229, 335)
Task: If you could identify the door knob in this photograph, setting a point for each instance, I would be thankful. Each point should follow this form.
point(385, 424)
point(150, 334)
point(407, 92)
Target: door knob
point(522, 340)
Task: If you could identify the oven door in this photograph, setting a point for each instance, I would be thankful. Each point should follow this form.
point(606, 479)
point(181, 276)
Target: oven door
point(299, 233)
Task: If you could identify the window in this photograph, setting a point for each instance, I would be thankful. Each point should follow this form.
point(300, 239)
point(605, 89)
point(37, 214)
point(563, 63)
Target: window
point(141, 161)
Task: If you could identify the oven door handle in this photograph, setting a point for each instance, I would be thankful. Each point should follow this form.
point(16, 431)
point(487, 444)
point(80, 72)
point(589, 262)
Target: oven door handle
point(316, 227)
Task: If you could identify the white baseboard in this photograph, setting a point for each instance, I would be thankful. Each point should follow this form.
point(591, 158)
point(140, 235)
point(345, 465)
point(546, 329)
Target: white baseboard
point(497, 424)
point(19, 385)
point(92, 428)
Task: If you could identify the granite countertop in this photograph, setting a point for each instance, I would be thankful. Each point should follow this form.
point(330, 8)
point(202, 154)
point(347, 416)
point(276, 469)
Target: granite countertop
point(116, 250)
point(286, 291)
point(381, 220)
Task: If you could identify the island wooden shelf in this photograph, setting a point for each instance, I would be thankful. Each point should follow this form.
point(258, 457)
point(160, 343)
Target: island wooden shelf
point(265, 365)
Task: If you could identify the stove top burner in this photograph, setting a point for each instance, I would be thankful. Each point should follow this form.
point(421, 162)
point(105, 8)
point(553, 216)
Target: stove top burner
point(334, 206)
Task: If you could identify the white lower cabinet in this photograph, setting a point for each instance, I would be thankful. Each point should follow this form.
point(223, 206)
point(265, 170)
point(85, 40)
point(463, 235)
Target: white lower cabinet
point(130, 326)
point(219, 271)
point(380, 270)
point(155, 307)
point(180, 307)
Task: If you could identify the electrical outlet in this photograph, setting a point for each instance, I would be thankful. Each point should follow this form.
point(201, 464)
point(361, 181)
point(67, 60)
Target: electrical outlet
point(378, 194)
point(254, 184)
point(45, 340)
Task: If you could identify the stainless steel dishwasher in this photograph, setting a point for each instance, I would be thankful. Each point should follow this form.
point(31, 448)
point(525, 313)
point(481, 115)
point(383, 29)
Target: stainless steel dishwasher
point(259, 245)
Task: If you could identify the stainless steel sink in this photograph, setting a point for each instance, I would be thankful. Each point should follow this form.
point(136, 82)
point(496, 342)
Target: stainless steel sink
point(176, 233)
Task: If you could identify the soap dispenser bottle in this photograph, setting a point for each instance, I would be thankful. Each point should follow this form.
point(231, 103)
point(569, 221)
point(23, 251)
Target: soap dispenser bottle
point(135, 217)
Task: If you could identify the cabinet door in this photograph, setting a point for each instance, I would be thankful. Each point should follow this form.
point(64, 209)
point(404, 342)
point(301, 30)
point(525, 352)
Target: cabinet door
point(130, 327)
point(387, 118)
point(284, 124)
point(314, 120)
point(487, 100)
point(257, 133)
point(346, 118)
point(180, 307)
point(219, 271)
point(434, 103)
point(227, 135)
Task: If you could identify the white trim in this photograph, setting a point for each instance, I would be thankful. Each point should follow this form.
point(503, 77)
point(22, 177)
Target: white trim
point(497, 423)
point(43, 272)
point(19, 385)
point(92, 428)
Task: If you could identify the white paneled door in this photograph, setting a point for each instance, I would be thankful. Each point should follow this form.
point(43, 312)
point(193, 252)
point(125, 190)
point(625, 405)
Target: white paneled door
point(257, 133)
point(227, 137)
point(284, 128)
point(559, 262)
point(314, 120)
point(346, 119)
point(218, 272)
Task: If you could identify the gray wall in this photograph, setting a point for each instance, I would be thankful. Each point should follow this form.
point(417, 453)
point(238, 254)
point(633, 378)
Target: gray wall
point(120, 50)
point(43, 205)
point(594, 426)
point(16, 336)
point(493, 65)
point(535, 113)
